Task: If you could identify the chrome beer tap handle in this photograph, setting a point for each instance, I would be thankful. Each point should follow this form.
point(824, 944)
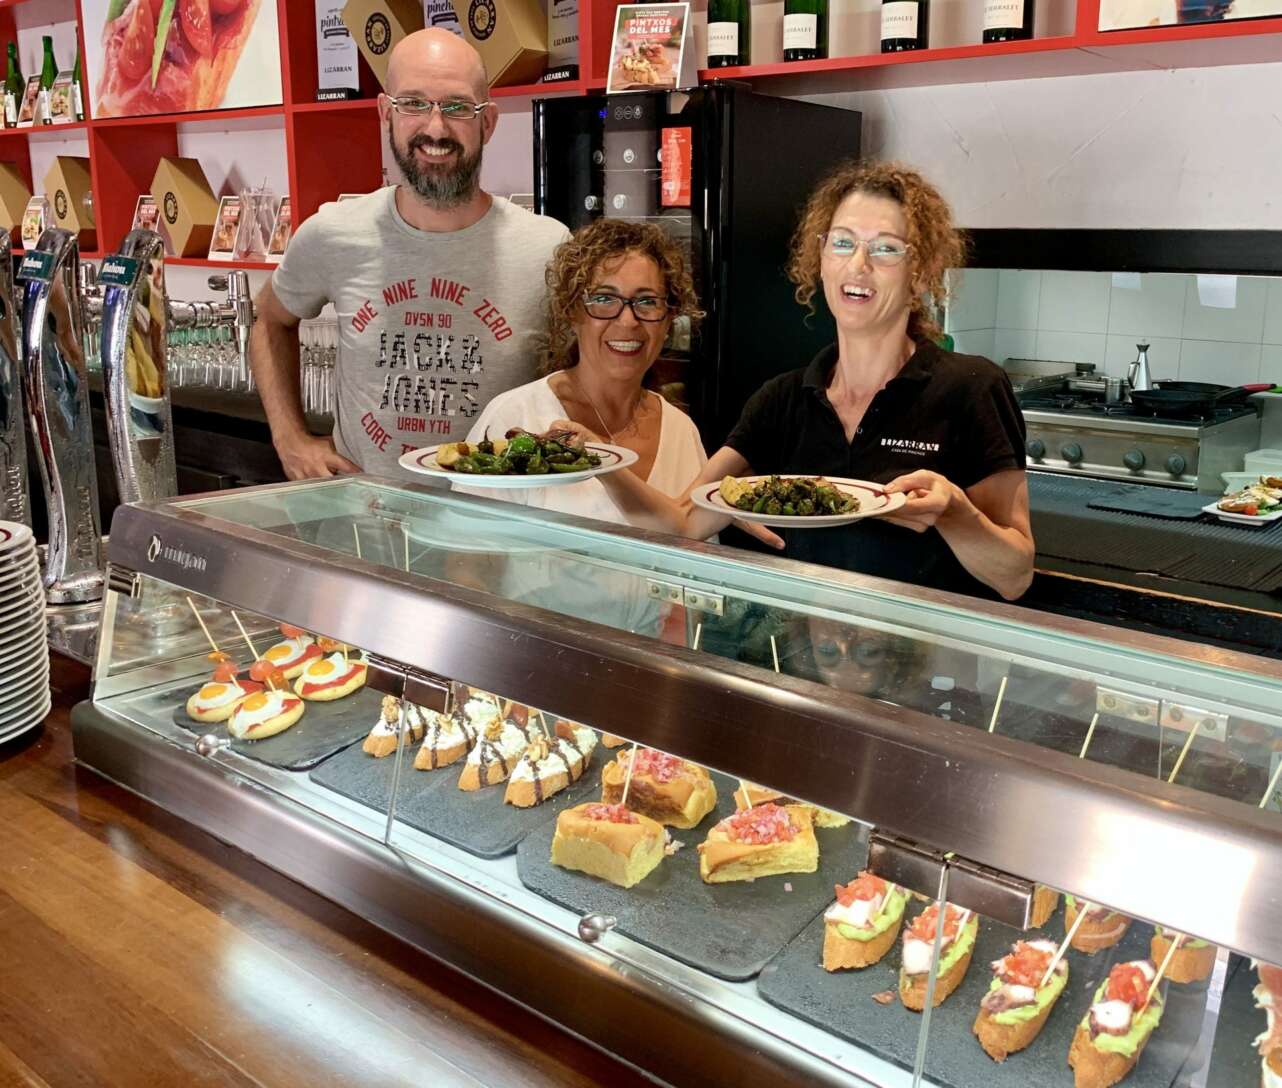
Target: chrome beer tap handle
point(57, 394)
point(135, 333)
point(15, 494)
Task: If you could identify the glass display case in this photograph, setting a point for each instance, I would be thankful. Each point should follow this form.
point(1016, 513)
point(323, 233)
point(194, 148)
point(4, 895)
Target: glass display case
point(695, 804)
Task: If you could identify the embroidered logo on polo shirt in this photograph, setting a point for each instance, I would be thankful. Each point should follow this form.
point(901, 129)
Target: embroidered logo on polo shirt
point(910, 445)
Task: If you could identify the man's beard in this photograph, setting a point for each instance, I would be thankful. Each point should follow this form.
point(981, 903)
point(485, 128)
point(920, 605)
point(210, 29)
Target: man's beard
point(441, 187)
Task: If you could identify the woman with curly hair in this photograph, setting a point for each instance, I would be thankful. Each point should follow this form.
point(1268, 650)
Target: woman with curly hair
point(885, 403)
point(614, 288)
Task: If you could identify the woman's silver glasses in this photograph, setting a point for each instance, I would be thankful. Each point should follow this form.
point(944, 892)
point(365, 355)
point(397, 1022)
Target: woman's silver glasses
point(605, 306)
point(841, 245)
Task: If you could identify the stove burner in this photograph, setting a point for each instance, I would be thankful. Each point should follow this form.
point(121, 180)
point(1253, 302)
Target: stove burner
point(1086, 405)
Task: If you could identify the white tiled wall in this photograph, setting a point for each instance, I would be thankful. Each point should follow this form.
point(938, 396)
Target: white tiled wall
point(1094, 317)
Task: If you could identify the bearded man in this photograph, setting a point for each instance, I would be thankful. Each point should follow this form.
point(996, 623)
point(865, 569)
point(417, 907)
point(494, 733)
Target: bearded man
point(438, 286)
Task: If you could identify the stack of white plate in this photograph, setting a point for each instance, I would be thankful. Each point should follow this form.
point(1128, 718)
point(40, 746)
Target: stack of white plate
point(24, 643)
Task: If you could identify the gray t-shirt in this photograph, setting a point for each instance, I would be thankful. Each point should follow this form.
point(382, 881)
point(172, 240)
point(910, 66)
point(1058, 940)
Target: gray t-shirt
point(432, 326)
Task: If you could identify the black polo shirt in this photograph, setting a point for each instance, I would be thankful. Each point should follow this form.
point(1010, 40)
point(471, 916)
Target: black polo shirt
point(949, 413)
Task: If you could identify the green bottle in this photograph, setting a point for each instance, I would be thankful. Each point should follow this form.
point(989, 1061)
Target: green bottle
point(14, 86)
point(77, 95)
point(729, 33)
point(805, 29)
point(47, 75)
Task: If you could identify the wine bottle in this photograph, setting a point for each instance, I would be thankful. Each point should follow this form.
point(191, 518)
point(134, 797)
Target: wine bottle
point(77, 93)
point(905, 25)
point(805, 29)
point(14, 86)
point(48, 74)
point(1007, 20)
point(729, 33)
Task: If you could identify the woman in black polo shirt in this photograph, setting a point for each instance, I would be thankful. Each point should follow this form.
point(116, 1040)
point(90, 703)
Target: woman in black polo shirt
point(885, 403)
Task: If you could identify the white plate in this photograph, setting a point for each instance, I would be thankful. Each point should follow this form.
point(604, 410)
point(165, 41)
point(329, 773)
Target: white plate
point(23, 670)
point(613, 458)
point(20, 609)
point(24, 702)
point(873, 502)
point(1241, 519)
point(13, 536)
point(27, 717)
point(22, 642)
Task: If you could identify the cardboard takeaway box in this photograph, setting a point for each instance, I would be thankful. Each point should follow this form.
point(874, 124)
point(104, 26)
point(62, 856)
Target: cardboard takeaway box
point(377, 25)
point(66, 186)
point(188, 207)
point(510, 35)
point(14, 195)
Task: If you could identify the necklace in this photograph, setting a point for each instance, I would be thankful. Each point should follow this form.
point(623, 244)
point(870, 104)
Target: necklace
point(597, 411)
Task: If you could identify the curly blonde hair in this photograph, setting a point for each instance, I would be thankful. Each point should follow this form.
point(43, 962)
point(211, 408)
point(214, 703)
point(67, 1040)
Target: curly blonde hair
point(576, 263)
point(937, 245)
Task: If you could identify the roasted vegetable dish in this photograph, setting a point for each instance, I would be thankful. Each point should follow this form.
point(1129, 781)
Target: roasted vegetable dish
point(518, 453)
point(1258, 500)
point(803, 496)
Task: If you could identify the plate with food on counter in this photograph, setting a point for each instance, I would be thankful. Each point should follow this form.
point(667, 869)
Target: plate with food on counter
point(519, 459)
point(796, 501)
point(1256, 504)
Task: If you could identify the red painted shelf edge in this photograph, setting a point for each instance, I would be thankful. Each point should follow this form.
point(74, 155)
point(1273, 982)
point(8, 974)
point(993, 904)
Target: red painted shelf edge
point(204, 116)
point(43, 130)
point(205, 262)
point(336, 105)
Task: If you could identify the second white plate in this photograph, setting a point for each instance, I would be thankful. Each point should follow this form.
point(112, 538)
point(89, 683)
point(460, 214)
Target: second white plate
point(613, 458)
point(874, 501)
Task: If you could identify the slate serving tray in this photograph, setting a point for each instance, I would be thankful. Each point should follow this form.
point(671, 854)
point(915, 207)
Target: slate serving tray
point(324, 729)
point(1234, 1059)
point(842, 1002)
point(478, 822)
point(729, 930)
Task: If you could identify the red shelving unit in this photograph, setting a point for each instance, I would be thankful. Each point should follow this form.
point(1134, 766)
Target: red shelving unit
point(335, 147)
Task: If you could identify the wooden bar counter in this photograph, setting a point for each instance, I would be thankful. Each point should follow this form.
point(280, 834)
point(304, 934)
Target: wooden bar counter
point(138, 951)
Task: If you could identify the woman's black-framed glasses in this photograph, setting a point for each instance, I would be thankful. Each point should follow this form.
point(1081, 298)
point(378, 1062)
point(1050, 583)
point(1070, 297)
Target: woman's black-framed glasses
point(452, 109)
point(605, 306)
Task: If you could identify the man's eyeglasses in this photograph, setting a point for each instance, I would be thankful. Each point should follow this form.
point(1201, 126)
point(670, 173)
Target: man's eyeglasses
point(452, 109)
point(840, 245)
point(605, 306)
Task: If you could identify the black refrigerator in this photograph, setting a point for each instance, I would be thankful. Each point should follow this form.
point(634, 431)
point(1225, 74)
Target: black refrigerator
point(726, 172)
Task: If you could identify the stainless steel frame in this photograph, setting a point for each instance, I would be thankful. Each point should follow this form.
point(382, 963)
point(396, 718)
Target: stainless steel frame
point(1189, 860)
point(15, 494)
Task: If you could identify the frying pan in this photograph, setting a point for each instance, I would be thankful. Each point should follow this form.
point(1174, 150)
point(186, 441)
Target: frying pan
point(1181, 398)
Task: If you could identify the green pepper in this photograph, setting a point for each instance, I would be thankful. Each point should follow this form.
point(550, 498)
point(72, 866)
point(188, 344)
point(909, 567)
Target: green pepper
point(774, 507)
point(805, 508)
point(536, 465)
point(465, 465)
point(523, 445)
point(789, 510)
point(573, 466)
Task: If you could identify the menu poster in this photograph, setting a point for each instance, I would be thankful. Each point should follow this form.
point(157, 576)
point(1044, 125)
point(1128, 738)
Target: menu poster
point(146, 214)
point(34, 220)
point(283, 228)
point(223, 244)
point(30, 103)
point(649, 51)
point(180, 58)
point(1128, 14)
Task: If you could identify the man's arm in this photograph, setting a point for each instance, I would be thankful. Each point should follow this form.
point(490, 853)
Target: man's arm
point(273, 353)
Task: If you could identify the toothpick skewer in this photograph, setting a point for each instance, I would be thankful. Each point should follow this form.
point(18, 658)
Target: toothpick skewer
point(1068, 939)
point(543, 723)
point(1176, 940)
point(196, 612)
point(356, 536)
point(507, 709)
point(774, 652)
point(698, 633)
point(1089, 733)
point(1184, 751)
point(243, 634)
point(405, 536)
point(627, 778)
point(997, 706)
point(743, 790)
point(1273, 784)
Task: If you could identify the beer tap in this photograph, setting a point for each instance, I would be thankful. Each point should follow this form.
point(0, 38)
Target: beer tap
point(57, 395)
point(240, 309)
point(135, 321)
point(15, 496)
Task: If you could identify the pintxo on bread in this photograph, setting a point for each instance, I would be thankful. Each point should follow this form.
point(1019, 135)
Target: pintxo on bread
point(393, 721)
point(498, 748)
point(862, 925)
point(447, 738)
point(1112, 1035)
point(264, 714)
point(1193, 961)
point(216, 700)
point(1268, 996)
point(767, 840)
point(1102, 927)
point(961, 927)
point(670, 790)
point(763, 795)
point(549, 764)
point(295, 653)
point(1018, 1004)
point(330, 678)
point(608, 841)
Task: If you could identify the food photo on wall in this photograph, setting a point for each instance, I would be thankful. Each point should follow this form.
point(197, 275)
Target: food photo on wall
point(179, 56)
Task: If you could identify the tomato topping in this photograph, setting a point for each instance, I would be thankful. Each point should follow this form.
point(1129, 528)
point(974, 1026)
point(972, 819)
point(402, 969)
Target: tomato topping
point(226, 7)
point(759, 826)
point(260, 668)
point(134, 53)
point(225, 672)
point(327, 645)
point(355, 670)
point(1252, 510)
point(1025, 966)
point(290, 631)
point(865, 886)
point(1127, 982)
point(196, 25)
point(218, 657)
point(654, 764)
point(614, 814)
point(923, 927)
